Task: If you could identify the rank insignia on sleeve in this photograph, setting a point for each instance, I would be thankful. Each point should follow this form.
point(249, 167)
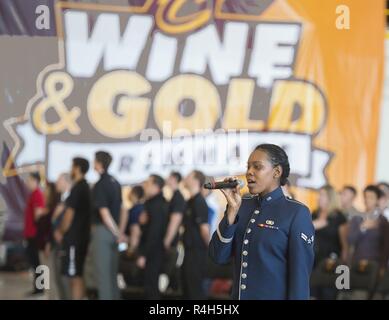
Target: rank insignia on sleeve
point(307, 239)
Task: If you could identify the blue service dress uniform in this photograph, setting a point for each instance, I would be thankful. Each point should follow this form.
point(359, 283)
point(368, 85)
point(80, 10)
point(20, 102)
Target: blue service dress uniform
point(271, 244)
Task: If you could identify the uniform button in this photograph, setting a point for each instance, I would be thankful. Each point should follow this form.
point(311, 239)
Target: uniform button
point(252, 220)
point(245, 253)
point(244, 264)
point(248, 230)
point(244, 276)
point(256, 211)
point(243, 286)
point(246, 241)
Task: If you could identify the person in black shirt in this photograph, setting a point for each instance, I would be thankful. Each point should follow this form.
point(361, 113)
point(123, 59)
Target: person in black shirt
point(327, 221)
point(196, 238)
point(176, 211)
point(74, 229)
point(177, 206)
point(109, 222)
point(151, 248)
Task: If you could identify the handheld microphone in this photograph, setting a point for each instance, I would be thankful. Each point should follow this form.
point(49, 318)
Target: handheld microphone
point(224, 184)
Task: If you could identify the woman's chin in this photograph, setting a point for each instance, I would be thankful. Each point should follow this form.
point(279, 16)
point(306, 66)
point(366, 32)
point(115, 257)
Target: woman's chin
point(253, 189)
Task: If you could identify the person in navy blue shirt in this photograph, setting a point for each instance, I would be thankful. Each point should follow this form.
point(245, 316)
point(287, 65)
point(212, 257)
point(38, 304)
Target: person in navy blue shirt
point(269, 236)
point(133, 228)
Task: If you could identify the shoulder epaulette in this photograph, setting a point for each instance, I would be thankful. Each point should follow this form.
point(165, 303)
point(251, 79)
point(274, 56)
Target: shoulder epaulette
point(294, 200)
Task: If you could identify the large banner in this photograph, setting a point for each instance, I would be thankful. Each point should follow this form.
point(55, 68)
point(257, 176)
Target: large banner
point(179, 84)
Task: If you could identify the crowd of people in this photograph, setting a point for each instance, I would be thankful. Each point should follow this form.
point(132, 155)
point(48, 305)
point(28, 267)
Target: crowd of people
point(344, 235)
point(69, 220)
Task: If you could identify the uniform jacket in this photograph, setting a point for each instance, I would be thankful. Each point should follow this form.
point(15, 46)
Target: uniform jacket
point(271, 244)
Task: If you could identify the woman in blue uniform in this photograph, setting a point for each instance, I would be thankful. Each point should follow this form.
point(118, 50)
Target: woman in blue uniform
point(268, 236)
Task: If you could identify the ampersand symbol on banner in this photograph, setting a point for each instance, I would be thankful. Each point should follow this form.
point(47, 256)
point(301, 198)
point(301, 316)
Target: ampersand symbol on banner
point(57, 87)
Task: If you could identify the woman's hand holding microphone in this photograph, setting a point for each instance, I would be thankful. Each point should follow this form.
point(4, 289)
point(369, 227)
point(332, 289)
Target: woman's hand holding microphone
point(234, 200)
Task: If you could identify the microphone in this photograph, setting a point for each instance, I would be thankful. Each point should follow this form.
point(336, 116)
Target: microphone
point(224, 184)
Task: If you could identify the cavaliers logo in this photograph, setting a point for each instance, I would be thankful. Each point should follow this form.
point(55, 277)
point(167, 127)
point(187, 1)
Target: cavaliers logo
point(180, 16)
